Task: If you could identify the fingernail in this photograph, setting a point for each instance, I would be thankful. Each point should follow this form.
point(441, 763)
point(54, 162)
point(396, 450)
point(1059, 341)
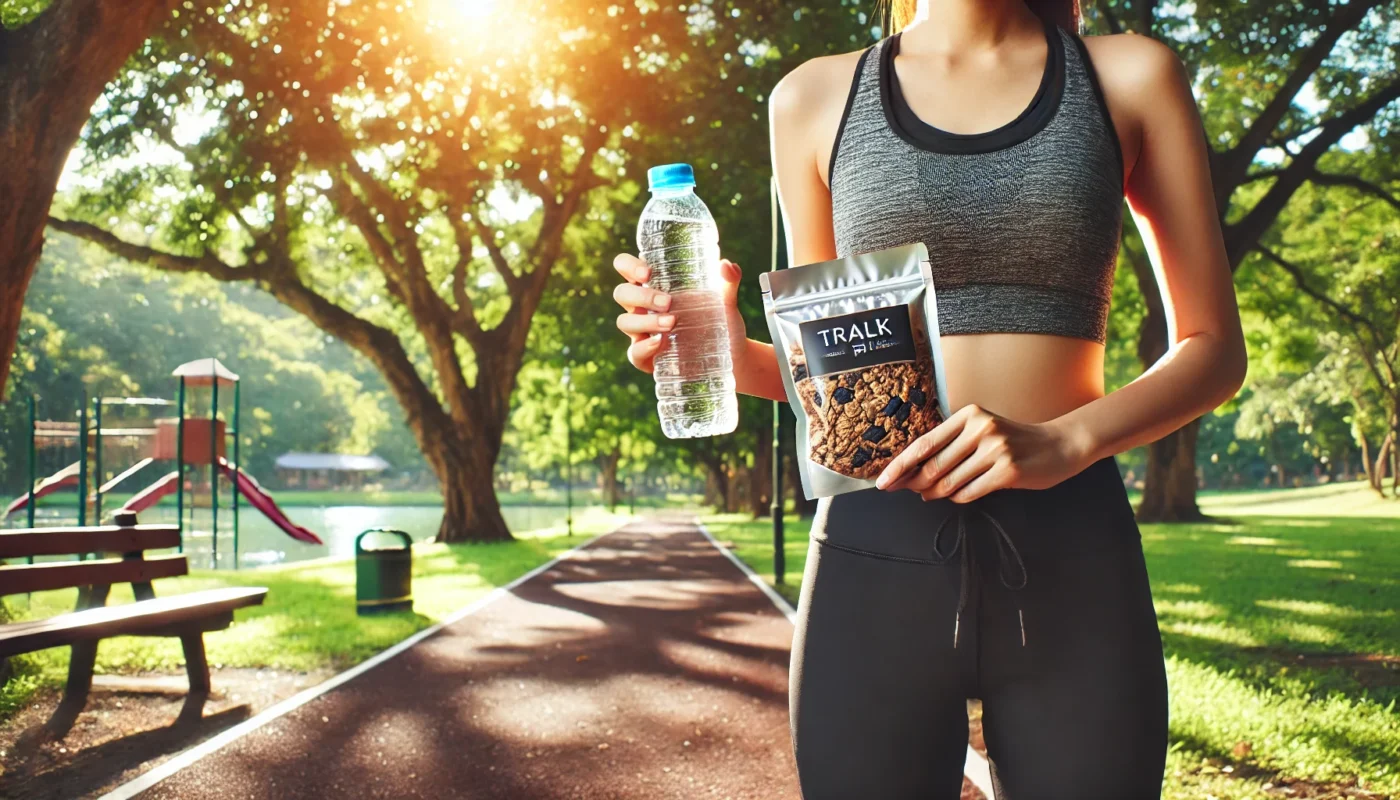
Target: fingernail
point(666, 321)
point(662, 302)
point(882, 481)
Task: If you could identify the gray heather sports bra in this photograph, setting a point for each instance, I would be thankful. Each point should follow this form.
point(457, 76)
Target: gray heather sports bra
point(1022, 223)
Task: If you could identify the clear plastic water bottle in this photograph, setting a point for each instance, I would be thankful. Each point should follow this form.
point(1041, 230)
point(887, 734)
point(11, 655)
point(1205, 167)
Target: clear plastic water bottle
point(694, 373)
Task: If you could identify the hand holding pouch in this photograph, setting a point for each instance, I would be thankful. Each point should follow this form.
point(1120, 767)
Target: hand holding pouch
point(857, 340)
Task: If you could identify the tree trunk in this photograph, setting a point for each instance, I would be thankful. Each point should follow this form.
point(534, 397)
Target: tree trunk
point(716, 482)
point(1382, 461)
point(1394, 469)
point(739, 479)
point(51, 72)
point(470, 510)
point(612, 495)
point(1170, 493)
point(1366, 459)
point(761, 479)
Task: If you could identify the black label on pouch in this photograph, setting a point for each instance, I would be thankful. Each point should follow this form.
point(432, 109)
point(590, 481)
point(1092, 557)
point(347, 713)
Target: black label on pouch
point(857, 341)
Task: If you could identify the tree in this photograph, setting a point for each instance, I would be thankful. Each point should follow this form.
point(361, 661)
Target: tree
point(409, 187)
point(54, 63)
point(1336, 267)
point(1280, 86)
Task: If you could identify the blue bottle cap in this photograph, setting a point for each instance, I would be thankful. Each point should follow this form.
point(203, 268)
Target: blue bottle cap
point(671, 176)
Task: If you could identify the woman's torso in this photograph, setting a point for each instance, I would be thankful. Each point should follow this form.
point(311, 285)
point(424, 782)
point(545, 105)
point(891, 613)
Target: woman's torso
point(1022, 222)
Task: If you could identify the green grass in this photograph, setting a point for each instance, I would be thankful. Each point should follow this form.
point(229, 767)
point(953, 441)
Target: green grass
point(308, 620)
point(1282, 573)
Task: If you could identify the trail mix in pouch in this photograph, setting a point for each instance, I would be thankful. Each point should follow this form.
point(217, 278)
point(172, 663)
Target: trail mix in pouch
point(857, 339)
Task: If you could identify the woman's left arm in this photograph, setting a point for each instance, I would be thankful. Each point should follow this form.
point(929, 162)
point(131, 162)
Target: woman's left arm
point(1170, 194)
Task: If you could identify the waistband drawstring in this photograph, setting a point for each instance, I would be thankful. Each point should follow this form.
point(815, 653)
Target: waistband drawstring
point(1003, 542)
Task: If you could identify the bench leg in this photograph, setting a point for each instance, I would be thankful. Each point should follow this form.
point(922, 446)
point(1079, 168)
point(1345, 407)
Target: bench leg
point(197, 667)
point(82, 659)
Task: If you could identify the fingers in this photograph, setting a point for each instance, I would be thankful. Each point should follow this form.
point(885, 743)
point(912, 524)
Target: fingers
point(955, 478)
point(643, 328)
point(642, 352)
point(639, 325)
point(731, 274)
point(631, 268)
point(994, 478)
point(921, 449)
point(940, 464)
point(633, 298)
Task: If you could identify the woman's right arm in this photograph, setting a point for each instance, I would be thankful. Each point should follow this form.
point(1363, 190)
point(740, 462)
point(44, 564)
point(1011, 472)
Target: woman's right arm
point(803, 115)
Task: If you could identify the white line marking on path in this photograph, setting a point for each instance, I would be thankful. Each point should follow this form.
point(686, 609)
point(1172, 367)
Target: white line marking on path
point(778, 600)
point(976, 768)
point(215, 743)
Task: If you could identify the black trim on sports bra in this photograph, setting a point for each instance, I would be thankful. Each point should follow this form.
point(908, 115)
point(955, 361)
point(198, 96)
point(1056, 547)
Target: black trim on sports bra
point(845, 115)
point(909, 127)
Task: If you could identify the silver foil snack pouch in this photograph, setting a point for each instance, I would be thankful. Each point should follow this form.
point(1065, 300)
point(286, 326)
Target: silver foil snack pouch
point(857, 339)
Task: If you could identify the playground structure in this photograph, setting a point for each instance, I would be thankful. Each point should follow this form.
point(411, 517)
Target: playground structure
point(195, 441)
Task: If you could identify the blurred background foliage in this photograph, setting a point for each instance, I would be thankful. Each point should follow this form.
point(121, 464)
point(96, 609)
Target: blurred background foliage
point(1301, 115)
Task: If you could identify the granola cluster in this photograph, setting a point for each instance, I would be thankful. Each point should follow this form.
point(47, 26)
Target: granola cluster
point(857, 421)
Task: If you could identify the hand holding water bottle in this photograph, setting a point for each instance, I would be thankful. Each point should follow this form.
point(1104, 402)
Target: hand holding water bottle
point(645, 317)
point(693, 334)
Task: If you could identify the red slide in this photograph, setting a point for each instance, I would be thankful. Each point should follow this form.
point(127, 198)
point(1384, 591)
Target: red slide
point(152, 494)
point(257, 497)
point(64, 478)
point(262, 501)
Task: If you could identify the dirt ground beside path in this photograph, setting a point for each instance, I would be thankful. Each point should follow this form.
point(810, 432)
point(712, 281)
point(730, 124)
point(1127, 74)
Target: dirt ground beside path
point(127, 729)
point(646, 666)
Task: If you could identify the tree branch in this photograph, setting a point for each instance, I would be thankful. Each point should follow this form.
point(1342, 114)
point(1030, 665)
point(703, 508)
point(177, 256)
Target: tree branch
point(1355, 182)
point(141, 254)
point(1332, 179)
point(381, 248)
point(380, 345)
point(498, 256)
point(1359, 323)
point(1345, 19)
point(1244, 235)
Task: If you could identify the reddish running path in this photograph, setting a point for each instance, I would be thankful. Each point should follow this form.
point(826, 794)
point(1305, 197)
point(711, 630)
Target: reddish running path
point(645, 666)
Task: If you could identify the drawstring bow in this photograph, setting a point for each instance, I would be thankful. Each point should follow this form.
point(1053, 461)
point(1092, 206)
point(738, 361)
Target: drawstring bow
point(1003, 542)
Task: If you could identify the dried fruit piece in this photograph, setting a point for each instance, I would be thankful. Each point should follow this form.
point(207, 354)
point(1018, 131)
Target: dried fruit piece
point(867, 407)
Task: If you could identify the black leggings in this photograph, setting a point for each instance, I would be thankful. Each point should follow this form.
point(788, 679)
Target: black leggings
point(1068, 666)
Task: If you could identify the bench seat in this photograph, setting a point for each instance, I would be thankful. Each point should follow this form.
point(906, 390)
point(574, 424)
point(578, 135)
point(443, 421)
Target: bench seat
point(160, 616)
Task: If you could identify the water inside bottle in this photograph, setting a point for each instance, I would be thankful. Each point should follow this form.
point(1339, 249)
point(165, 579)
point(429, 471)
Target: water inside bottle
point(693, 370)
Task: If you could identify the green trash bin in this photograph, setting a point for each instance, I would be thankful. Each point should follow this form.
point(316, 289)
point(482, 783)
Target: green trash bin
point(383, 575)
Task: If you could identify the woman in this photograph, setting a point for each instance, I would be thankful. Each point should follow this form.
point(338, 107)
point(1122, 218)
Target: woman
point(999, 558)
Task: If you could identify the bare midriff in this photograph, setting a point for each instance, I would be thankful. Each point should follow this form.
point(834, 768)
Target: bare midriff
point(1028, 377)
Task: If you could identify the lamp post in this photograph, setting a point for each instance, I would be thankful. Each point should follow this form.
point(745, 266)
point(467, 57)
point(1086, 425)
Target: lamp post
point(568, 447)
point(778, 261)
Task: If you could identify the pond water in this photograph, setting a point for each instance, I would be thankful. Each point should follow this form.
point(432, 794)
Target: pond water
point(261, 543)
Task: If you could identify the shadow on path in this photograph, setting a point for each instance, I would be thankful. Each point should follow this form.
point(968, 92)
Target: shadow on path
point(646, 666)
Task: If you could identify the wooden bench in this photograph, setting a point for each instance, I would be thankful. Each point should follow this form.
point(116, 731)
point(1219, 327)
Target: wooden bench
point(186, 616)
